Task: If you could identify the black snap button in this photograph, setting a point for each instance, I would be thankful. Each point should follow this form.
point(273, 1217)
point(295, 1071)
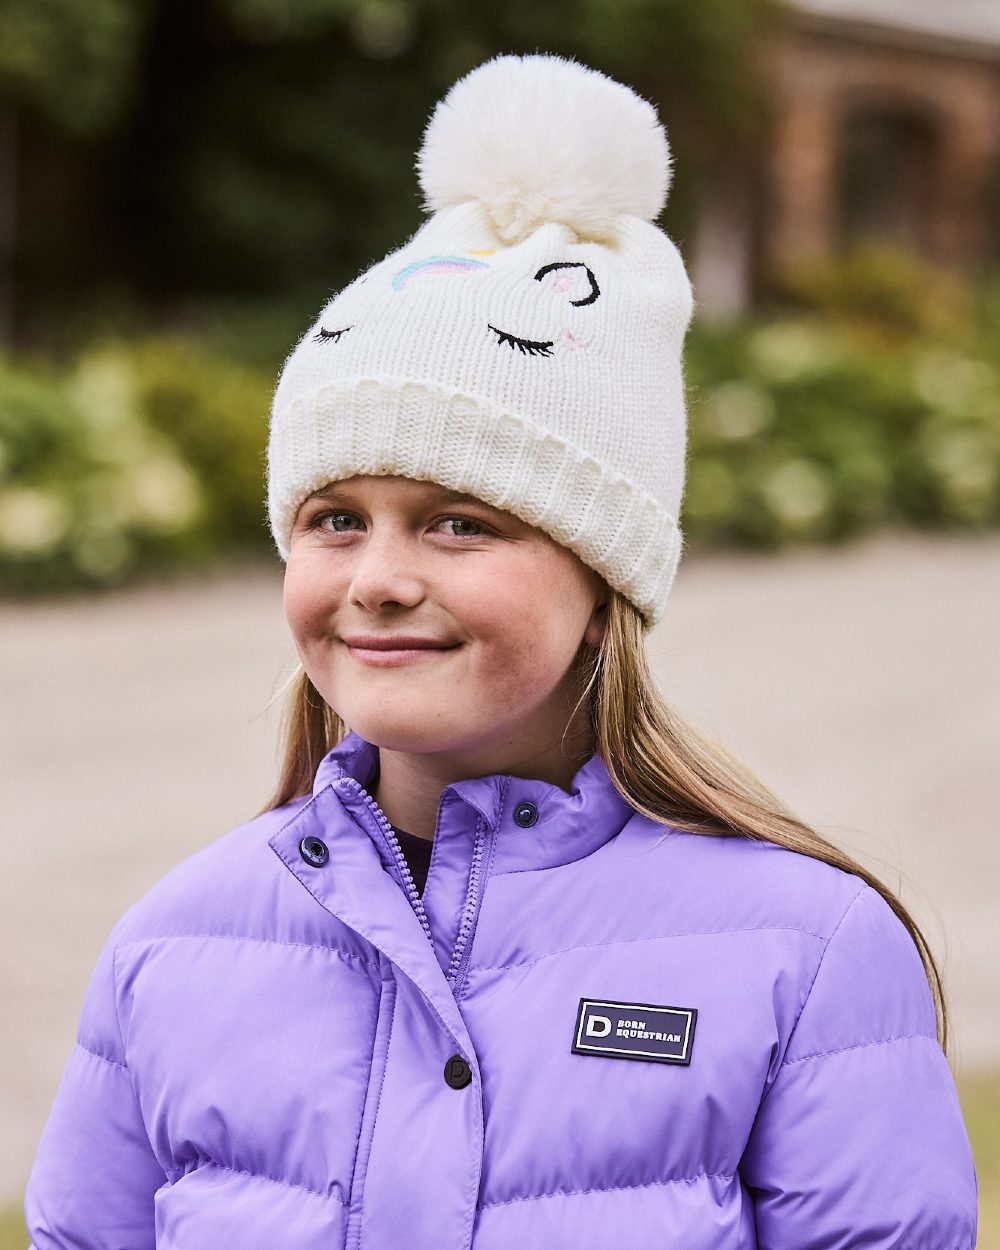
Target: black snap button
point(314, 851)
point(525, 814)
point(457, 1072)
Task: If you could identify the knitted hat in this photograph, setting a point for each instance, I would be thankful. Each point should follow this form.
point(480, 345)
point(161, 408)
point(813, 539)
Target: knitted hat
point(525, 344)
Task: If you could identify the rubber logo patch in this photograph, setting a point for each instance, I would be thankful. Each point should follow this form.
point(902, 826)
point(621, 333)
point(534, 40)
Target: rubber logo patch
point(634, 1031)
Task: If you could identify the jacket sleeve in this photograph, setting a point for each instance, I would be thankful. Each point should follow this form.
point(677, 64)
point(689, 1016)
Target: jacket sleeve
point(859, 1141)
point(94, 1175)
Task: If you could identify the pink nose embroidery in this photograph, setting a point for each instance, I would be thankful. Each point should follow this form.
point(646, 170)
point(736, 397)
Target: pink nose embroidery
point(574, 344)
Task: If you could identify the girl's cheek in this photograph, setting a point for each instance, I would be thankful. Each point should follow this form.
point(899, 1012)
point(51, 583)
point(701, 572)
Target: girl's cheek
point(307, 598)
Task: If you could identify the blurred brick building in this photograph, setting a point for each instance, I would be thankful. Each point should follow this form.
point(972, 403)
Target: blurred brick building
point(884, 124)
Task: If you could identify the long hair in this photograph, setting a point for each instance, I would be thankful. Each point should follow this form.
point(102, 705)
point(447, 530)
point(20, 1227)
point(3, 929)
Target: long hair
point(662, 764)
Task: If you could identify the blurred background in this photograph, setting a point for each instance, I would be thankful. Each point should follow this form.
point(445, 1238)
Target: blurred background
point(183, 185)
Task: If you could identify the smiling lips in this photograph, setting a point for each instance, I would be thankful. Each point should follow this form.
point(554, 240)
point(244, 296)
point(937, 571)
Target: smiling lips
point(386, 652)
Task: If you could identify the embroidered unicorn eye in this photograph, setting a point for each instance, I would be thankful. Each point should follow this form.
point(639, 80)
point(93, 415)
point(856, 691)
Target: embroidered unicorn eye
point(595, 290)
point(328, 336)
point(525, 346)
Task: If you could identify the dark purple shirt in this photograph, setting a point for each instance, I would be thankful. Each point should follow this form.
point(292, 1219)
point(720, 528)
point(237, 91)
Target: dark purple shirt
point(417, 853)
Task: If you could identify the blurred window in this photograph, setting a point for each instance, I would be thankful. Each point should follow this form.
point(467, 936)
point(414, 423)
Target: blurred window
point(886, 179)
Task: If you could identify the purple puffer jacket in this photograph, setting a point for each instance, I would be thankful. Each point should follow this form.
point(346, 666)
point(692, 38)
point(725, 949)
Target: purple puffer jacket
point(592, 1030)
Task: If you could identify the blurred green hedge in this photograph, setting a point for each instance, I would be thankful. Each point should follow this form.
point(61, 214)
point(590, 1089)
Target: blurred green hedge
point(141, 457)
point(872, 397)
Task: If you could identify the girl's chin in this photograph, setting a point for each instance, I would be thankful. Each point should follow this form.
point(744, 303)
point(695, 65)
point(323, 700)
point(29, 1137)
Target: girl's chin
point(425, 733)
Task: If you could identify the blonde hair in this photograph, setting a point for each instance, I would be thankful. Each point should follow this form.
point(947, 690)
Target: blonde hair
point(663, 765)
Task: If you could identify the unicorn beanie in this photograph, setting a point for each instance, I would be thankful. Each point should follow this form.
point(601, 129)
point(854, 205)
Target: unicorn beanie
point(525, 344)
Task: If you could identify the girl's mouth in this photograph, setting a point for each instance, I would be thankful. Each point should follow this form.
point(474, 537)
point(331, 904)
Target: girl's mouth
point(392, 657)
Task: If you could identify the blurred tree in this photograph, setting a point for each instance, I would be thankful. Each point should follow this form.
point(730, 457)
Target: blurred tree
point(254, 154)
point(73, 62)
point(74, 59)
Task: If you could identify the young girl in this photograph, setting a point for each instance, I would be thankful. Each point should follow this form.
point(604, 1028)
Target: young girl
point(520, 959)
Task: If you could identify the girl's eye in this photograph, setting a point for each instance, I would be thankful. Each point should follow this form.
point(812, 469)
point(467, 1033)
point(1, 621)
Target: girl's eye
point(465, 520)
point(320, 517)
point(526, 347)
point(317, 520)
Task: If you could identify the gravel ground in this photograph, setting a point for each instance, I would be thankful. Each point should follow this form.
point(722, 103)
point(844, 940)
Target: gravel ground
point(861, 683)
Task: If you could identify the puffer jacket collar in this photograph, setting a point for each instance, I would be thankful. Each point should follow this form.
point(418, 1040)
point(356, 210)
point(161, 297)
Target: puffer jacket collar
point(362, 879)
point(570, 824)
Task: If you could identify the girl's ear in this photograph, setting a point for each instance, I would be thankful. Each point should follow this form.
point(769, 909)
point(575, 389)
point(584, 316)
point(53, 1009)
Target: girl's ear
point(594, 632)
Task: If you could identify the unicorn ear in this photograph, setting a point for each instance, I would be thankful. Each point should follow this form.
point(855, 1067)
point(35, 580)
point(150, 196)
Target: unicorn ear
point(543, 138)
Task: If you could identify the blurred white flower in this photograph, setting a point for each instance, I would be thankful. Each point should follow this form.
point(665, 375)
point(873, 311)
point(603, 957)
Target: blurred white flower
point(160, 493)
point(797, 493)
point(966, 464)
point(736, 410)
point(102, 389)
point(788, 349)
point(31, 521)
point(949, 380)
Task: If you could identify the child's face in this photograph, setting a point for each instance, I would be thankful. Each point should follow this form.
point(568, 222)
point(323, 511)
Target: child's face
point(386, 556)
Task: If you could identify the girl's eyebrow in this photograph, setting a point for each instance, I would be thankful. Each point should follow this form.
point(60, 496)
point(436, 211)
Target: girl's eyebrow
point(443, 495)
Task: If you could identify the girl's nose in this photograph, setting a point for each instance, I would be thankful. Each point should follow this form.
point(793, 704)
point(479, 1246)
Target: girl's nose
point(386, 570)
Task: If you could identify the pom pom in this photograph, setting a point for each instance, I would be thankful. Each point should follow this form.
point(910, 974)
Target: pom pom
point(543, 138)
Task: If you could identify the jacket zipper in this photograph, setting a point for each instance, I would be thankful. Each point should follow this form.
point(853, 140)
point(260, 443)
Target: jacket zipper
point(463, 947)
point(459, 964)
point(462, 952)
point(410, 886)
point(353, 1240)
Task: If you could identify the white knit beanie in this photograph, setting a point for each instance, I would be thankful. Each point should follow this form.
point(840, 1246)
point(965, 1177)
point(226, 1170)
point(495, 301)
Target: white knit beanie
point(525, 344)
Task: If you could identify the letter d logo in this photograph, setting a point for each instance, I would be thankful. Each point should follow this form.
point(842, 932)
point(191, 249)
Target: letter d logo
point(598, 1026)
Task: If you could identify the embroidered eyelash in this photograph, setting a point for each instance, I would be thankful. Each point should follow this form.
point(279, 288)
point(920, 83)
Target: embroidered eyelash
point(525, 346)
point(326, 336)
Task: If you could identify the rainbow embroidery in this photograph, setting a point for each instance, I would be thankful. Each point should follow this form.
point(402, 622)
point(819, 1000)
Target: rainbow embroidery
point(436, 264)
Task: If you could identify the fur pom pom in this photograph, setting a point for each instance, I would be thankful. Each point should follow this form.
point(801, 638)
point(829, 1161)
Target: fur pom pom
point(543, 138)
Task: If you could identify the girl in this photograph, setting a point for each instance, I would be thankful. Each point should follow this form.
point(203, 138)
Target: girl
point(519, 958)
